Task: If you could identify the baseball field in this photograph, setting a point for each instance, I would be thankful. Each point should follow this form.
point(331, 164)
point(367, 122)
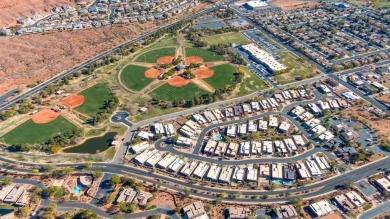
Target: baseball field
point(29, 132)
point(223, 75)
point(95, 99)
point(168, 93)
point(208, 56)
point(153, 55)
point(224, 38)
point(133, 77)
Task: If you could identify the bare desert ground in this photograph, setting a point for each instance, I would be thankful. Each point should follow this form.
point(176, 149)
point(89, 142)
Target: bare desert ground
point(31, 58)
point(292, 4)
point(10, 10)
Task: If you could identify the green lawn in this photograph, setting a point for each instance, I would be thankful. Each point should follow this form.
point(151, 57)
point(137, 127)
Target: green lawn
point(251, 83)
point(95, 99)
point(153, 55)
point(225, 38)
point(30, 132)
point(167, 92)
point(133, 76)
point(223, 75)
point(167, 41)
point(208, 56)
point(297, 68)
point(382, 4)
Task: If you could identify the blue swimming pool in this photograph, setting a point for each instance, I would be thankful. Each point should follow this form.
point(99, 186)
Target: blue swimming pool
point(277, 182)
point(287, 182)
point(217, 137)
point(77, 190)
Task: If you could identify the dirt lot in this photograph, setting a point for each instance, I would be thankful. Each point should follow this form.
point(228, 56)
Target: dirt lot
point(292, 4)
point(40, 56)
point(10, 10)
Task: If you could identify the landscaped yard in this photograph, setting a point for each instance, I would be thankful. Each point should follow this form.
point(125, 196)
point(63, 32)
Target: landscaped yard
point(133, 77)
point(223, 75)
point(251, 83)
point(153, 55)
point(226, 37)
point(208, 56)
point(95, 99)
point(168, 93)
point(31, 133)
point(297, 68)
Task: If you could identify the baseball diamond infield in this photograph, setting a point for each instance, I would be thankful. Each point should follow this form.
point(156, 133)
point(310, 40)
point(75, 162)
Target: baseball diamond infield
point(153, 73)
point(44, 116)
point(204, 72)
point(177, 81)
point(165, 60)
point(73, 100)
point(193, 59)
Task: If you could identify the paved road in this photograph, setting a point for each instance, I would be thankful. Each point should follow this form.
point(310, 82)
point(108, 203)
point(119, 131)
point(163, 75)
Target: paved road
point(9, 94)
point(376, 211)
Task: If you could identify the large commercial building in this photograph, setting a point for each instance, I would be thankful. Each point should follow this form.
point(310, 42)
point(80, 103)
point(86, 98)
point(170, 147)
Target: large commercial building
point(264, 57)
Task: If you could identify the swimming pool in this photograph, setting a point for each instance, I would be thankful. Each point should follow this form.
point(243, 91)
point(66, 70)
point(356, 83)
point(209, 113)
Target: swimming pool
point(217, 137)
point(287, 182)
point(277, 182)
point(77, 190)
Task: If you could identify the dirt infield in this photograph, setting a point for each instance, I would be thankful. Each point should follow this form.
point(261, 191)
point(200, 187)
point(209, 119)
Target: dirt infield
point(73, 100)
point(153, 73)
point(204, 72)
point(165, 60)
point(44, 116)
point(292, 4)
point(177, 81)
point(193, 59)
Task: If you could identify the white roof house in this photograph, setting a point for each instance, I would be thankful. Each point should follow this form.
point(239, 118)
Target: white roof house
point(255, 106)
point(334, 104)
point(231, 131)
point(321, 208)
point(184, 141)
point(246, 108)
point(245, 148)
point(169, 130)
point(126, 195)
point(277, 171)
point(326, 136)
point(252, 126)
point(313, 122)
point(218, 114)
point(263, 125)
point(290, 145)
point(256, 147)
point(175, 165)
point(229, 112)
point(146, 154)
point(302, 171)
point(159, 128)
point(209, 116)
point(325, 88)
point(242, 128)
point(226, 174)
point(201, 170)
point(313, 168)
point(238, 174)
point(273, 122)
point(251, 174)
point(145, 135)
point(279, 98)
point(232, 149)
point(355, 198)
point(322, 163)
point(286, 95)
point(187, 131)
point(314, 108)
point(214, 172)
point(280, 147)
point(268, 147)
point(199, 119)
point(298, 140)
point(272, 102)
point(152, 160)
point(298, 110)
point(210, 147)
point(138, 148)
point(188, 168)
point(306, 116)
point(166, 161)
point(264, 104)
point(319, 129)
point(221, 148)
point(323, 105)
point(264, 57)
point(284, 126)
point(192, 125)
point(14, 194)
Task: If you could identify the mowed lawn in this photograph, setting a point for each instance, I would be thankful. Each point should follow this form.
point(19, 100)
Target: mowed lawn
point(153, 55)
point(30, 132)
point(250, 83)
point(168, 93)
point(297, 68)
point(223, 75)
point(226, 38)
point(133, 77)
point(95, 99)
point(208, 56)
point(167, 41)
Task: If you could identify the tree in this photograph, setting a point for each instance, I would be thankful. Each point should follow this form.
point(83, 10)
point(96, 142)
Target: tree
point(128, 207)
point(187, 193)
point(115, 180)
point(223, 194)
point(6, 181)
point(97, 174)
point(109, 198)
point(36, 193)
point(348, 184)
point(24, 211)
point(50, 191)
point(87, 165)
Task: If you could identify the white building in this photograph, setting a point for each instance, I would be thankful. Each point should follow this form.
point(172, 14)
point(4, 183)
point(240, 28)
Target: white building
point(321, 208)
point(210, 147)
point(313, 122)
point(214, 172)
point(218, 114)
point(273, 122)
point(256, 147)
point(209, 116)
point(221, 148)
point(252, 126)
point(138, 148)
point(302, 171)
point(188, 168)
point(268, 147)
point(298, 110)
point(169, 130)
point(199, 119)
point(298, 140)
point(166, 161)
point(175, 165)
point(187, 131)
point(159, 128)
point(146, 154)
point(242, 129)
point(290, 145)
point(284, 126)
point(246, 108)
point(251, 174)
point(231, 131)
point(245, 148)
point(264, 104)
point(238, 174)
point(313, 168)
point(280, 147)
point(232, 149)
point(145, 135)
point(264, 57)
point(255, 106)
point(286, 95)
point(184, 141)
point(314, 108)
point(263, 125)
point(277, 171)
point(226, 174)
point(322, 163)
point(201, 170)
point(152, 160)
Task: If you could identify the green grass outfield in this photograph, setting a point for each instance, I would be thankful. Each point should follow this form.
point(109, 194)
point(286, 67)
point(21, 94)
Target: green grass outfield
point(208, 56)
point(30, 132)
point(297, 68)
point(95, 99)
point(223, 75)
point(133, 76)
point(167, 41)
point(225, 38)
point(167, 92)
point(153, 55)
